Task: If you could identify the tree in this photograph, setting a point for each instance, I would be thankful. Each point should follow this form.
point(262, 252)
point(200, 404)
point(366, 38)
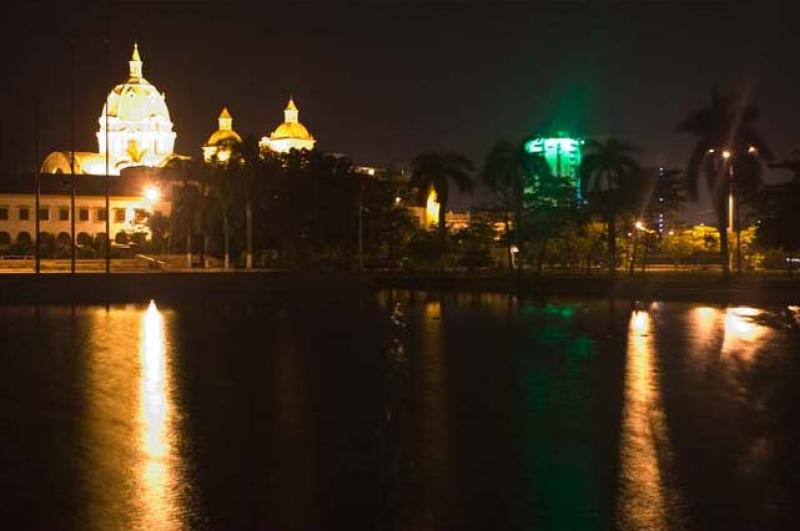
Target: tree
point(437, 170)
point(474, 244)
point(778, 208)
point(550, 208)
point(609, 178)
point(187, 213)
point(504, 174)
point(222, 191)
point(726, 125)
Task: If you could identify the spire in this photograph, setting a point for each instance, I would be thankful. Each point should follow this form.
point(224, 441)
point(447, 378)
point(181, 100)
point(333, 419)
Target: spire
point(290, 114)
point(135, 63)
point(225, 120)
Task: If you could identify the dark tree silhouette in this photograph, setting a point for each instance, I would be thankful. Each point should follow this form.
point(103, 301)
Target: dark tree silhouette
point(726, 124)
point(438, 170)
point(610, 180)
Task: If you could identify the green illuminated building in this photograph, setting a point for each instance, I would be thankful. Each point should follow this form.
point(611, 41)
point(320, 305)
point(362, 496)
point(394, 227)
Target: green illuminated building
point(562, 153)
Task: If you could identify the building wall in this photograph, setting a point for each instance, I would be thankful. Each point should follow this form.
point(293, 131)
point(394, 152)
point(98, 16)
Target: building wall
point(13, 226)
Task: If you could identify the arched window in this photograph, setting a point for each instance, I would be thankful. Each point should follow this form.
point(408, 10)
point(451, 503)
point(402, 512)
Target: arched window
point(63, 239)
point(24, 238)
point(84, 239)
point(5, 239)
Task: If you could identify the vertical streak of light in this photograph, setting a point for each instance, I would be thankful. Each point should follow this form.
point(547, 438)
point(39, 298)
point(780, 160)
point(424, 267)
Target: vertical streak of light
point(157, 474)
point(643, 503)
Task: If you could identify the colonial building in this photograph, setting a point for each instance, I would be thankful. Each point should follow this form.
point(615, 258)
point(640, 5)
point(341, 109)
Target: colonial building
point(133, 199)
point(136, 144)
point(135, 130)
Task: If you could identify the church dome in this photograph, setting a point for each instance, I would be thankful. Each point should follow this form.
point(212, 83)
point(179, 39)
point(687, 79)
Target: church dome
point(225, 132)
point(136, 100)
point(294, 130)
point(291, 134)
point(219, 143)
point(139, 125)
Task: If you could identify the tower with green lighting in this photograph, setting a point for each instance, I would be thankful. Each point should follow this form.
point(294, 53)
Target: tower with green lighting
point(562, 153)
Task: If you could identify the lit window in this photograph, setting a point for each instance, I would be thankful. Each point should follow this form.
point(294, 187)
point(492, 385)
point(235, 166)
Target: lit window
point(139, 215)
point(119, 215)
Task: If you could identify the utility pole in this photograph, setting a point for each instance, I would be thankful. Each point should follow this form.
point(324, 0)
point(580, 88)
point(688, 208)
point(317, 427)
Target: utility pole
point(37, 184)
point(108, 206)
point(360, 228)
point(72, 154)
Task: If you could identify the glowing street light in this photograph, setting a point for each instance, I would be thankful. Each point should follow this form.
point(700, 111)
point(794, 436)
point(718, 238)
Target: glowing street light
point(152, 194)
point(726, 154)
point(640, 225)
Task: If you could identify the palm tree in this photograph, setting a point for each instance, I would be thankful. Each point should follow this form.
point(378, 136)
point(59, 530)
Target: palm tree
point(250, 169)
point(187, 213)
point(437, 170)
point(608, 180)
point(504, 173)
point(191, 202)
point(222, 191)
point(726, 124)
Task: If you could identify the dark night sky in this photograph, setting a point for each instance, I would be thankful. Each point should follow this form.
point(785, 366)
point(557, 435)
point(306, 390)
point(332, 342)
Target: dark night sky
point(383, 81)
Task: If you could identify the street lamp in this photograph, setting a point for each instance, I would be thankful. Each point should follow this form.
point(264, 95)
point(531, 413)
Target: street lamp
point(152, 194)
point(733, 205)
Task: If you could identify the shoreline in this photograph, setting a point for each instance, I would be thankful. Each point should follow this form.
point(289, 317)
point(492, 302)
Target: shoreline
point(264, 286)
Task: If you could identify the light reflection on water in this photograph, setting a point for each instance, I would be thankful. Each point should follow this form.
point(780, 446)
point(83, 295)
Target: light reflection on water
point(160, 466)
point(134, 475)
point(644, 440)
point(576, 415)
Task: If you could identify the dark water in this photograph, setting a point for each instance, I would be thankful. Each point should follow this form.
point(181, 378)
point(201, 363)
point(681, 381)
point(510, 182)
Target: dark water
point(400, 411)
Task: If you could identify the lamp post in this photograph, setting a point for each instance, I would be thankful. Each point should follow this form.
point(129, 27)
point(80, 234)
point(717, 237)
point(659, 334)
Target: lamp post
point(72, 155)
point(361, 227)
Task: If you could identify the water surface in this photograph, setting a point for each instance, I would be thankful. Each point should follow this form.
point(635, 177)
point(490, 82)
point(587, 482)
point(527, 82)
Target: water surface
point(400, 411)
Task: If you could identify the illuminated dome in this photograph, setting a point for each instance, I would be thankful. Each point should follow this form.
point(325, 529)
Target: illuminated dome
point(220, 140)
point(291, 134)
point(139, 126)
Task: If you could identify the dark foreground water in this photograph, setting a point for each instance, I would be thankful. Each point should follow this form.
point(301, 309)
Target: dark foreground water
point(400, 411)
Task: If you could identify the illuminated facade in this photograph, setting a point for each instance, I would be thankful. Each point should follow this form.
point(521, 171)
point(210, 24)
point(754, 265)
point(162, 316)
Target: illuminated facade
point(562, 153)
point(133, 199)
point(291, 134)
point(139, 130)
point(219, 143)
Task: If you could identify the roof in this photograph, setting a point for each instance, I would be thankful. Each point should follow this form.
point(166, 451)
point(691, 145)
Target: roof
point(218, 137)
point(294, 130)
point(131, 183)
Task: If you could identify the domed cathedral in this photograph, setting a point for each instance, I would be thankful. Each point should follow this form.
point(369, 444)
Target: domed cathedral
point(139, 130)
point(219, 143)
point(291, 134)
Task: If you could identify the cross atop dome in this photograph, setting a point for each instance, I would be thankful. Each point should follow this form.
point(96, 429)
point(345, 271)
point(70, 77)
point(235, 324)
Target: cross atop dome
point(135, 63)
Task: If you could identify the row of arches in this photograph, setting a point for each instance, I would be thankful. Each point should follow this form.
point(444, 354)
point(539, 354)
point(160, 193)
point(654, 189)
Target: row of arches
point(25, 239)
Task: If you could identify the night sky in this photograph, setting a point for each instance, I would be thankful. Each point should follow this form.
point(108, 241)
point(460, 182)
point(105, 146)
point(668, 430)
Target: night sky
point(384, 81)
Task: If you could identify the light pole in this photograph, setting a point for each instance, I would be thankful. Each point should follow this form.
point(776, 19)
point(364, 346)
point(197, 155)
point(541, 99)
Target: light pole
point(361, 228)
